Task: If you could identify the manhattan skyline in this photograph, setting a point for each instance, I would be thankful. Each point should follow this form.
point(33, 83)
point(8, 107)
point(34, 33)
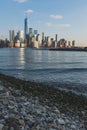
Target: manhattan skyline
point(66, 18)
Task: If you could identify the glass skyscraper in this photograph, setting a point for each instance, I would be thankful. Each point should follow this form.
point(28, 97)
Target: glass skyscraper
point(25, 27)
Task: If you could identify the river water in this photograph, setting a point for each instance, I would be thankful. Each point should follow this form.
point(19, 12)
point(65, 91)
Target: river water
point(67, 69)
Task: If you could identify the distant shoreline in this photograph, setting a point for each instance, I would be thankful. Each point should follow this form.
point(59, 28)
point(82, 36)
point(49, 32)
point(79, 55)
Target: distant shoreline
point(69, 49)
point(78, 49)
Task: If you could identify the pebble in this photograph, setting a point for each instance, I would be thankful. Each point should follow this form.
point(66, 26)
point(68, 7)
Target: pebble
point(21, 122)
point(61, 122)
point(18, 112)
point(73, 127)
point(1, 126)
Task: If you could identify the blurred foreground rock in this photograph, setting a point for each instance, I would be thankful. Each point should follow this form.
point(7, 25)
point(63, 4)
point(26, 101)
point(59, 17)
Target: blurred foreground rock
point(19, 112)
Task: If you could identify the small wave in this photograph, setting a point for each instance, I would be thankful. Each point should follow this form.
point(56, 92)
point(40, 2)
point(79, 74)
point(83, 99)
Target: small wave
point(58, 70)
point(48, 70)
point(71, 62)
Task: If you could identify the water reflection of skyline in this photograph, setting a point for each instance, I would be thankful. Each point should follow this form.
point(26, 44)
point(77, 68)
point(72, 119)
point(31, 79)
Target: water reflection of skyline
point(21, 57)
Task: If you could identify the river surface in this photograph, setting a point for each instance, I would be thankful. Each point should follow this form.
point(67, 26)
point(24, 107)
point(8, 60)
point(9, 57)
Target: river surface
point(67, 69)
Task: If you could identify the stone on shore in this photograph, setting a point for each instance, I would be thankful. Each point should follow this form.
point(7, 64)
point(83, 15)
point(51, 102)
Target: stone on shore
point(21, 112)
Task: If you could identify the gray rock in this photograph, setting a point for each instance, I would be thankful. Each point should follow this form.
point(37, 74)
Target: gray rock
point(27, 127)
point(12, 128)
point(61, 121)
point(1, 126)
point(21, 122)
point(73, 127)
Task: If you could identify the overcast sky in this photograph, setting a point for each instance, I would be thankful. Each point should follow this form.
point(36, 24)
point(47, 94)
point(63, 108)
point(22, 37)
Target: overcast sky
point(67, 18)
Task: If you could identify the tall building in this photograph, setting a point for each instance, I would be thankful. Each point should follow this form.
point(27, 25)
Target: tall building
point(56, 38)
point(69, 44)
point(43, 36)
point(11, 35)
point(11, 38)
point(43, 39)
point(31, 31)
point(38, 38)
point(20, 36)
point(73, 43)
point(48, 41)
point(35, 32)
point(25, 27)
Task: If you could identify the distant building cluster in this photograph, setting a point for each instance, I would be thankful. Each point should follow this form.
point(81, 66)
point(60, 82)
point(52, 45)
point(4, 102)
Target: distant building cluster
point(31, 38)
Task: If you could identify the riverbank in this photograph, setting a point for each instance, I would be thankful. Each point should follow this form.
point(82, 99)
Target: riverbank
point(69, 49)
point(36, 106)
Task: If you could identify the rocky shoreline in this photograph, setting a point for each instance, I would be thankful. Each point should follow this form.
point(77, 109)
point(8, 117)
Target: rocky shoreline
point(26, 105)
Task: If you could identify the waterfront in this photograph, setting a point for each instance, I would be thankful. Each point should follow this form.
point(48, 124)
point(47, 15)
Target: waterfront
point(65, 69)
point(32, 105)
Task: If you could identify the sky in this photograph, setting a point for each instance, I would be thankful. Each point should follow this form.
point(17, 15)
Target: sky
point(67, 18)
